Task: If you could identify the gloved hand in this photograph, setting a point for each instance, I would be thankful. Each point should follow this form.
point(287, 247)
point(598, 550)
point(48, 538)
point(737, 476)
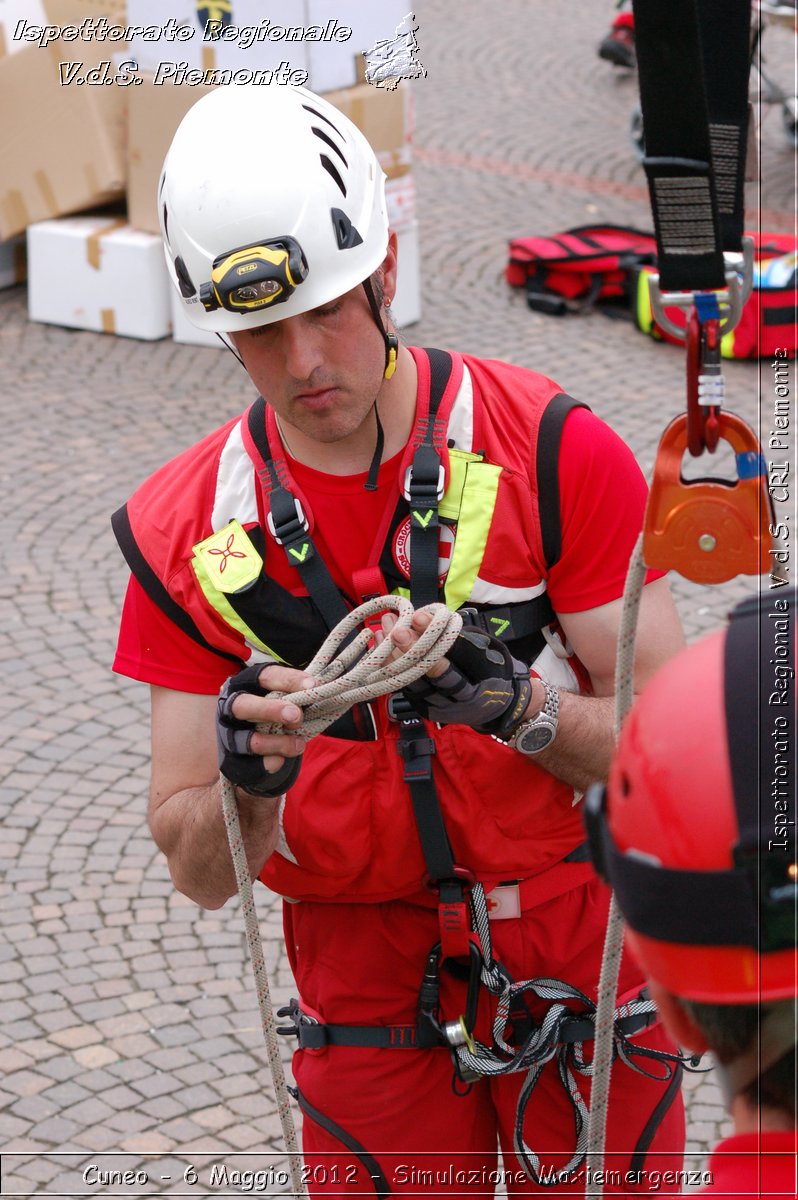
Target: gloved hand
point(237, 762)
point(484, 687)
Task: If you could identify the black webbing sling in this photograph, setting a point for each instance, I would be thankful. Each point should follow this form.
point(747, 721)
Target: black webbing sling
point(289, 527)
point(424, 491)
point(693, 66)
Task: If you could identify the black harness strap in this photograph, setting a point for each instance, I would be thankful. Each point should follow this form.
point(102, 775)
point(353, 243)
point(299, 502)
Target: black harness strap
point(681, 169)
point(368, 1161)
point(289, 526)
point(546, 468)
point(120, 523)
point(424, 492)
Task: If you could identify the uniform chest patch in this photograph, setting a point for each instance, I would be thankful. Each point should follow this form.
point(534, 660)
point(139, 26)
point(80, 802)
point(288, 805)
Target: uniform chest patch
point(401, 548)
point(229, 558)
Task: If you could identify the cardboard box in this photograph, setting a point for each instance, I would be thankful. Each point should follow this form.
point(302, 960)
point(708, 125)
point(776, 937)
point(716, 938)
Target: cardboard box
point(386, 119)
point(400, 199)
point(11, 13)
point(62, 149)
point(61, 145)
point(13, 264)
point(154, 113)
point(406, 306)
point(182, 329)
point(97, 273)
point(237, 47)
point(339, 64)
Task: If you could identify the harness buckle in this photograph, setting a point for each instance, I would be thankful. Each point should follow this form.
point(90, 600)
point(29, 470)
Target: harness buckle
point(401, 710)
point(462, 877)
point(418, 490)
point(290, 528)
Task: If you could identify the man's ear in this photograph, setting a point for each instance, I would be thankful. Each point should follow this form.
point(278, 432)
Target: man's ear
point(388, 268)
point(678, 1022)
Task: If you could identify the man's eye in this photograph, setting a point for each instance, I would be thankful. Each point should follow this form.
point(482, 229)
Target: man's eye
point(328, 310)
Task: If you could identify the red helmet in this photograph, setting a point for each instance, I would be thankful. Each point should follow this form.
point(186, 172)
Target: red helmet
point(696, 829)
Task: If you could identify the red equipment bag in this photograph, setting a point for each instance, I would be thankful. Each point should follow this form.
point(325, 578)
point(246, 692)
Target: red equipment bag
point(570, 271)
point(769, 317)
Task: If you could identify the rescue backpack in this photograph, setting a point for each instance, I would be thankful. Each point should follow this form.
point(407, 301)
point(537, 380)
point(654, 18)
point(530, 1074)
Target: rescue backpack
point(570, 271)
point(579, 268)
point(768, 321)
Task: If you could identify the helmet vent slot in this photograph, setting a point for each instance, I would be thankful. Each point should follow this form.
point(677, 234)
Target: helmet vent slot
point(315, 112)
point(187, 288)
point(346, 234)
point(333, 171)
point(321, 134)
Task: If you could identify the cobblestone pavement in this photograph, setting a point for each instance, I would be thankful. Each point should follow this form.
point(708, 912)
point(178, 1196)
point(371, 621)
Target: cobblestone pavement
point(129, 1020)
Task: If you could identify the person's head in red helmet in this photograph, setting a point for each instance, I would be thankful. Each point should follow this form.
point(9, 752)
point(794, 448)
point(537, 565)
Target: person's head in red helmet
point(695, 832)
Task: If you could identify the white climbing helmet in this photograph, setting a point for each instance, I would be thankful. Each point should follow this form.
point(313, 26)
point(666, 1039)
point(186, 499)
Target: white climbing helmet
point(271, 203)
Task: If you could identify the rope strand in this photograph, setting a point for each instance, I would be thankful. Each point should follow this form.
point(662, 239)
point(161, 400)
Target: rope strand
point(356, 674)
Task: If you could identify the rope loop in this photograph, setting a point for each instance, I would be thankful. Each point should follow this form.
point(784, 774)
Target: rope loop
point(353, 670)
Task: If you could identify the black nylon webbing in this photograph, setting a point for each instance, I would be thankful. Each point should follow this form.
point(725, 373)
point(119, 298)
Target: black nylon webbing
point(298, 546)
point(546, 467)
point(725, 45)
point(424, 525)
point(686, 181)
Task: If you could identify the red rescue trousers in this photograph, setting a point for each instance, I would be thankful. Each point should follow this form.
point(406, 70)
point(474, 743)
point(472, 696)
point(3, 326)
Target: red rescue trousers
point(401, 1126)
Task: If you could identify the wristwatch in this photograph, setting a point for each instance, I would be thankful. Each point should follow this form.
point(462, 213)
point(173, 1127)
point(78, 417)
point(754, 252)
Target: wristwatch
point(540, 731)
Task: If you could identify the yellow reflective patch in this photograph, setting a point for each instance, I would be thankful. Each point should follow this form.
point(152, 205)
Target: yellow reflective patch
point(229, 559)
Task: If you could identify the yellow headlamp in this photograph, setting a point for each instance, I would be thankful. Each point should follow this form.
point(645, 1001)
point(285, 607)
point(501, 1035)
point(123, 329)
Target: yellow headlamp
point(249, 278)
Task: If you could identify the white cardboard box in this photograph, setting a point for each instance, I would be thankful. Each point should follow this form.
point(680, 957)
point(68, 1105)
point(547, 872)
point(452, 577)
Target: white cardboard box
point(182, 329)
point(98, 273)
point(339, 64)
point(12, 261)
point(184, 35)
point(406, 306)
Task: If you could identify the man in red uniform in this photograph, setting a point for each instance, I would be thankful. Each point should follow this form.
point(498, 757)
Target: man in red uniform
point(697, 835)
point(369, 467)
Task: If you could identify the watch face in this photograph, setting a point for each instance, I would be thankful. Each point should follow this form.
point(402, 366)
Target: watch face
point(531, 741)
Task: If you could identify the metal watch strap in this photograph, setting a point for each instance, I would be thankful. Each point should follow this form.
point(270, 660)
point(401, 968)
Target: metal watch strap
point(547, 718)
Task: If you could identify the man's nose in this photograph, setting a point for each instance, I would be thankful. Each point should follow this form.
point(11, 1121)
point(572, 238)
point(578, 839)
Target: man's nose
point(302, 351)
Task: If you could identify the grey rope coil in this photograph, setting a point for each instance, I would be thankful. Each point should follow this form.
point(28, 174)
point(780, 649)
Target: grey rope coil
point(353, 675)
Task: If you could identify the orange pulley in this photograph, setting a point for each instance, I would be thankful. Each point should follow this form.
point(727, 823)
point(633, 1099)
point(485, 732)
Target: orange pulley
point(709, 530)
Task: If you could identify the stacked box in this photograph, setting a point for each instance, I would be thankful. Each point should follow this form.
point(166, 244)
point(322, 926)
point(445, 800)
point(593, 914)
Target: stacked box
point(62, 146)
point(97, 273)
point(13, 268)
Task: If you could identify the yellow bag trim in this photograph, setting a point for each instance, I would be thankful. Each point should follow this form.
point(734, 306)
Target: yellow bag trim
point(644, 315)
point(477, 504)
point(449, 506)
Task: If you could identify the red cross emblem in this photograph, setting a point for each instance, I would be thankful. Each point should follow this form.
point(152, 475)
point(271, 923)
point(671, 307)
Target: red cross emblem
point(228, 552)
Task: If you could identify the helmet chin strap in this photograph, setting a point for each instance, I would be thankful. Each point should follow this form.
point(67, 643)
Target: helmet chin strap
point(391, 353)
point(775, 1038)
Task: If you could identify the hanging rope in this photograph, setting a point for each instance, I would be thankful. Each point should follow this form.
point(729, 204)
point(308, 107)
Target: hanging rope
point(613, 942)
point(354, 674)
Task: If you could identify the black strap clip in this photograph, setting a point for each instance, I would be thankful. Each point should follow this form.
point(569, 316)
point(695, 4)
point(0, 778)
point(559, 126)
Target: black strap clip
point(286, 521)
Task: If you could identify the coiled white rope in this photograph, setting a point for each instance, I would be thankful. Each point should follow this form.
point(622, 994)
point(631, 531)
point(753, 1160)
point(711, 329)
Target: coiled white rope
point(361, 672)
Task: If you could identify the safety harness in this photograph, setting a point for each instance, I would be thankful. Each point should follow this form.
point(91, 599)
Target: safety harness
point(464, 946)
